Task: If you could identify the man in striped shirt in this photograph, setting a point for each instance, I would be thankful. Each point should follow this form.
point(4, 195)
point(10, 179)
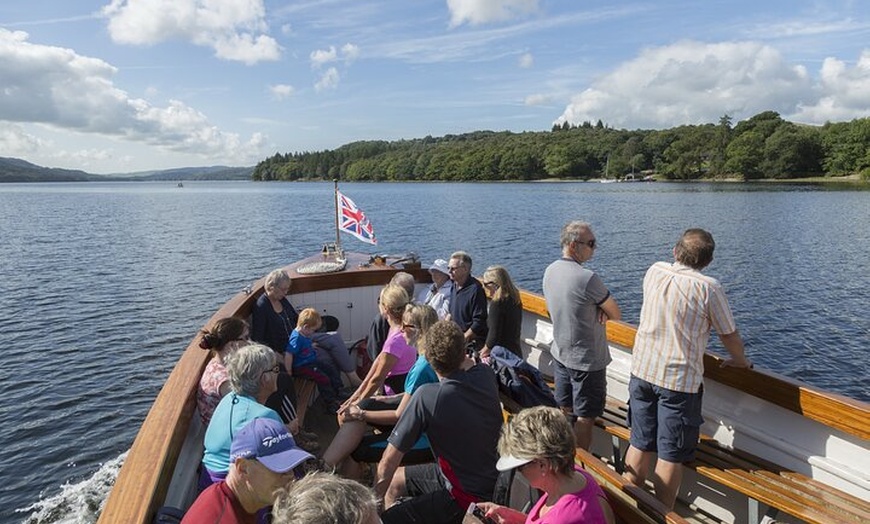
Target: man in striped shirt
point(680, 306)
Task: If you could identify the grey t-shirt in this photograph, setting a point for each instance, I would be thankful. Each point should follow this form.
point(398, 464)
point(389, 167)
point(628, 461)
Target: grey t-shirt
point(573, 295)
point(462, 417)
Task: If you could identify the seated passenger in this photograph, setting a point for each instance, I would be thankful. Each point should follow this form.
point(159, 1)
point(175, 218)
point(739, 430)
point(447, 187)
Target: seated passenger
point(224, 336)
point(383, 412)
point(300, 359)
point(380, 328)
point(505, 316)
point(324, 497)
point(539, 443)
point(461, 415)
point(272, 320)
point(438, 293)
point(396, 359)
point(264, 459)
point(253, 372)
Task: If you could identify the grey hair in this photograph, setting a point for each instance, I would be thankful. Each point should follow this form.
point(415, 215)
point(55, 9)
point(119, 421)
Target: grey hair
point(571, 232)
point(406, 280)
point(324, 497)
point(541, 433)
point(463, 257)
point(246, 365)
point(276, 278)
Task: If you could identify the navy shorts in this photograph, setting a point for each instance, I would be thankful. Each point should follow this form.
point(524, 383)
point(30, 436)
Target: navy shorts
point(585, 392)
point(664, 421)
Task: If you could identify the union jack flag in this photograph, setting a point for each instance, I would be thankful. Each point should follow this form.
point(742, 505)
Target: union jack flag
point(352, 220)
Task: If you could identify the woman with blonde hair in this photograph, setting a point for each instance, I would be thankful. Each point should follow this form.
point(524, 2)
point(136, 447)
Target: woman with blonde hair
point(505, 316)
point(539, 443)
point(383, 412)
point(223, 337)
point(396, 358)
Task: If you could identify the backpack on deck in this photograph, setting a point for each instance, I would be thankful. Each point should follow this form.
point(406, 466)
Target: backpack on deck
point(519, 380)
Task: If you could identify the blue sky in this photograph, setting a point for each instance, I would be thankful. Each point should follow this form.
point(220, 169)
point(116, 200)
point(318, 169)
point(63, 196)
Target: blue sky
point(129, 85)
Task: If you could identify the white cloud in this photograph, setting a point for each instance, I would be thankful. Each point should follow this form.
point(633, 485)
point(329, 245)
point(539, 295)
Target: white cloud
point(692, 82)
point(476, 12)
point(281, 91)
point(234, 29)
point(844, 93)
point(536, 100)
point(86, 157)
point(349, 52)
point(55, 86)
point(14, 141)
point(329, 80)
point(526, 60)
point(320, 57)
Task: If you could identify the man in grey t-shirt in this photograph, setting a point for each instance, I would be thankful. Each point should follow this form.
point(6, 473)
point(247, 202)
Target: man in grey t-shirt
point(579, 305)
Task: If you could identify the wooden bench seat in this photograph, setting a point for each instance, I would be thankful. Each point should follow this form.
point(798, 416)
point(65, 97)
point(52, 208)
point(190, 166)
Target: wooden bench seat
point(630, 503)
point(760, 480)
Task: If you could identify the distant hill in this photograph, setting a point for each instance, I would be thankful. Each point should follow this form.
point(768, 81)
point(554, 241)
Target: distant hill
point(192, 173)
point(17, 170)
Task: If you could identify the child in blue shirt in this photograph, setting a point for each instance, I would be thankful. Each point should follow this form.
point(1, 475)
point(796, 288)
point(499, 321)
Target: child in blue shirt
point(300, 358)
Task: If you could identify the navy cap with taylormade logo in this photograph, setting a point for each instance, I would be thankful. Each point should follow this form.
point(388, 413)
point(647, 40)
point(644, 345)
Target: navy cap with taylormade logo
point(270, 443)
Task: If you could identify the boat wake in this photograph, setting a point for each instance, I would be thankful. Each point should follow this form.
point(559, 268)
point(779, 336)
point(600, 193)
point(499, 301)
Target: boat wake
point(78, 503)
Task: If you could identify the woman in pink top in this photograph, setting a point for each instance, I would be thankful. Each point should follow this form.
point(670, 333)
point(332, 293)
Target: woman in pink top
point(224, 336)
point(396, 359)
point(539, 442)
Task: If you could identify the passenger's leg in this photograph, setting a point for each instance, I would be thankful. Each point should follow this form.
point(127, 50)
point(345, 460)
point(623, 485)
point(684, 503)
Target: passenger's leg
point(349, 436)
point(637, 464)
point(642, 420)
point(589, 397)
point(583, 432)
point(334, 346)
point(666, 480)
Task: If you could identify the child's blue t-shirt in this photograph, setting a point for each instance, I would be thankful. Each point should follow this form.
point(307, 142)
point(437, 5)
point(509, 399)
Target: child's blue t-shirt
point(302, 349)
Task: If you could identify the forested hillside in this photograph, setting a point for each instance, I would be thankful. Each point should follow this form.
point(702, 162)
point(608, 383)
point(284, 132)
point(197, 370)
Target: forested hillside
point(764, 146)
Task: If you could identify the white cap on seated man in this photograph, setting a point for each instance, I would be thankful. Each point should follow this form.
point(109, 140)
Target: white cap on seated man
point(263, 458)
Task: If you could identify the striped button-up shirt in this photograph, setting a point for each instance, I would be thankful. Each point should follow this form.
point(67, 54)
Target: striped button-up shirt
point(680, 306)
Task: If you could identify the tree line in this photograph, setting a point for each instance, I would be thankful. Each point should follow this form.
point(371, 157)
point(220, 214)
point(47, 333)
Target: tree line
point(762, 147)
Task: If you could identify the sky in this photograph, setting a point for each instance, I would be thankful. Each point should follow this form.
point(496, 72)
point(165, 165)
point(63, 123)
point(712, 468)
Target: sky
point(117, 86)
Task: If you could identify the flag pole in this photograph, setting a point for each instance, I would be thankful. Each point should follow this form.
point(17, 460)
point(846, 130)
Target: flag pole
point(337, 237)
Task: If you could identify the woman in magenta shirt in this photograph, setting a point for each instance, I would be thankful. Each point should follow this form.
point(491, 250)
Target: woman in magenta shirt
point(539, 443)
point(396, 359)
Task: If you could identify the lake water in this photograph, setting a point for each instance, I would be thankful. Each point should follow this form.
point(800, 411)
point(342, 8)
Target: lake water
point(104, 284)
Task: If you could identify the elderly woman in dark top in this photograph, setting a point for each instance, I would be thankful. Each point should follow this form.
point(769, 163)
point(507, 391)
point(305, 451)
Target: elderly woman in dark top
point(505, 316)
point(273, 318)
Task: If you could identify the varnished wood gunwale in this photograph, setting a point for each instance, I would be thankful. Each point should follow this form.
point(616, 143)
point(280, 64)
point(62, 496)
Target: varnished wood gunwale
point(836, 411)
point(143, 481)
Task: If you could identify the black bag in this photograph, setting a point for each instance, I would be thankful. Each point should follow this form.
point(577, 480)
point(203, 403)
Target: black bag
point(519, 380)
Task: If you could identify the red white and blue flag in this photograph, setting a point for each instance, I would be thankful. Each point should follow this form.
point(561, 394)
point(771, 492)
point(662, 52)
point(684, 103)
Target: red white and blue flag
point(352, 220)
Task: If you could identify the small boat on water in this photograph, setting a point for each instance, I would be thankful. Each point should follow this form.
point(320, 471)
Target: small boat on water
point(773, 449)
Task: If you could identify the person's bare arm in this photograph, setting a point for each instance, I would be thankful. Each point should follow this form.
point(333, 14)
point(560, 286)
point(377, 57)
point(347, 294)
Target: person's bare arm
point(609, 310)
point(386, 469)
point(734, 345)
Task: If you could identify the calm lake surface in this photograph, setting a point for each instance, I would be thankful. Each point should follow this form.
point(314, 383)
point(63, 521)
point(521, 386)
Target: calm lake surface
point(104, 284)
